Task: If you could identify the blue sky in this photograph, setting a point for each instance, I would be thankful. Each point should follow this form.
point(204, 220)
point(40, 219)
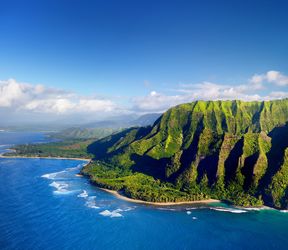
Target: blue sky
point(129, 51)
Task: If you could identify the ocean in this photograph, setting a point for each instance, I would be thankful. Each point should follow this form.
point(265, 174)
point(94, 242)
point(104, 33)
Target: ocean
point(44, 205)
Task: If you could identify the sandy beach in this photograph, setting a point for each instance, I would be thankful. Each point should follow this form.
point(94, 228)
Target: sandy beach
point(79, 175)
point(122, 197)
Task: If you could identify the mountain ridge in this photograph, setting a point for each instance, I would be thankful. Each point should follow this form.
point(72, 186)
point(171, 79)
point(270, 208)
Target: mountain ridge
point(101, 129)
point(223, 149)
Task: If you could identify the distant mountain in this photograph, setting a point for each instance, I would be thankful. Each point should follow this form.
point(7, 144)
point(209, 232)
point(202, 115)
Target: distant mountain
point(229, 150)
point(101, 129)
point(144, 120)
point(84, 133)
point(115, 122)
point(125, 121)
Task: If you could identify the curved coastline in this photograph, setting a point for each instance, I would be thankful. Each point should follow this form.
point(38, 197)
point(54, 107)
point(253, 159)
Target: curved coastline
point(117, 194)
point(207, 201)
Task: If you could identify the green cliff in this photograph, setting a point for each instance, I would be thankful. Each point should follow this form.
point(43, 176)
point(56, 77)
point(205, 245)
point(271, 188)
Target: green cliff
point(230, 150)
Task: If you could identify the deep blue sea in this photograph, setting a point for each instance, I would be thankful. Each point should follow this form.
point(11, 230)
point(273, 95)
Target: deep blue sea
point(43, 205)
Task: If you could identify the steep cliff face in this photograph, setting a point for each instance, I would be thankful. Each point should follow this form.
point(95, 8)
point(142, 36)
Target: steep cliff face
point(229, 148)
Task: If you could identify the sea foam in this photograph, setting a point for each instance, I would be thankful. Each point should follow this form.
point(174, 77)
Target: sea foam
point(61, 188)
point(91, 202)
point(61, 175)
point(53, 176)
point(116, 212)
point(58, 185)
point(229, 210)
point(84, 194)
point(112, 214)
point(257, 208)
point(79, 166)
point(167, 209)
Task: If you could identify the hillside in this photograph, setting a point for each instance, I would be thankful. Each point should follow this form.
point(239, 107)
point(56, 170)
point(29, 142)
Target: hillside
point(101, 129)
point(76, 148)
point(84, 133)
point(230, 150)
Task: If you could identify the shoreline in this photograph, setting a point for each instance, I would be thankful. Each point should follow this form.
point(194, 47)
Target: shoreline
point(120, 196)
point(125, 198)
point(113, 192)
point(45, 157)
point(159, 204)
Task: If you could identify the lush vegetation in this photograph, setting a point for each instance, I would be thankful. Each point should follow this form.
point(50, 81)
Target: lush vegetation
point(84, 133)
point(137, 185)
point(230, 150)
point(67, 148)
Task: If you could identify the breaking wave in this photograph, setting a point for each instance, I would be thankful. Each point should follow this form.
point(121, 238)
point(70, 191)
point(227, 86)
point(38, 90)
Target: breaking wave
point(257, 208)
point(112, 214)
point(229, 210)
point(116, 212)
point(91, 202)
point(61, 187)
point(167, 209)
point(84, 194)
point(53, 176)
point(79, 166)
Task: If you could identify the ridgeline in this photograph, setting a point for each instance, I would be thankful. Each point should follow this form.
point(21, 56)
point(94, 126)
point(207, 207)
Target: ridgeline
point(228, 150)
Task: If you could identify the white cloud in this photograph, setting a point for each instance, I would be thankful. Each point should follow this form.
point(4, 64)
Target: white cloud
point(38, 98)
point(251, 91)
point(156, 102)
point(58, 106)
point(277, 78)
point(272, 76)
point(277, 95)
point(11, 92)
point(95, 105)
point(191, 92)
point(256, 79)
